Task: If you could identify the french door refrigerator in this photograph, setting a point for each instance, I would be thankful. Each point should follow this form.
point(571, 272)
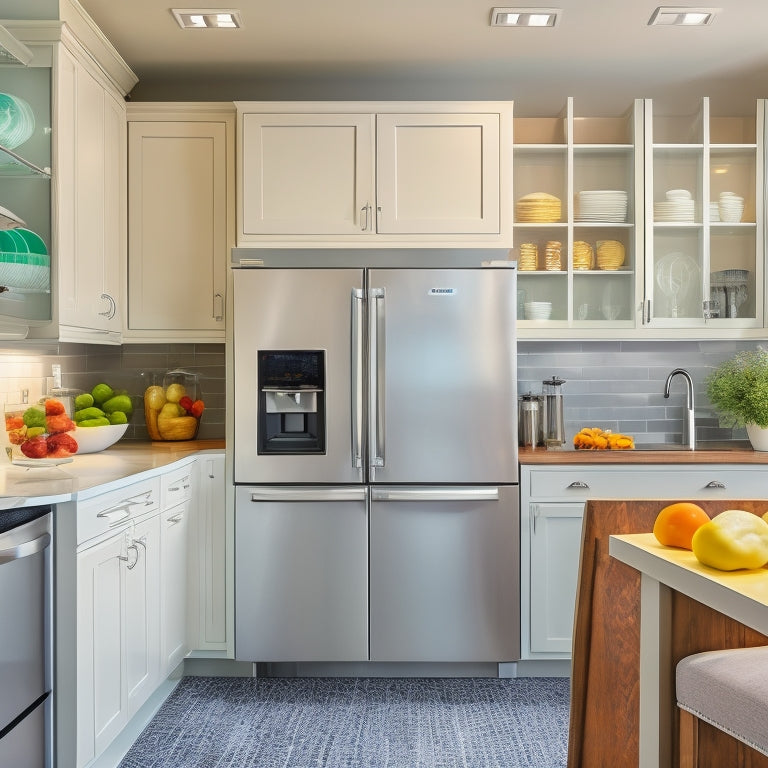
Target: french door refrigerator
point(375, 464)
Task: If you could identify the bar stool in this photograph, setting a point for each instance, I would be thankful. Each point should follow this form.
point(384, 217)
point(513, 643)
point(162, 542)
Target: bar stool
point(727, 689)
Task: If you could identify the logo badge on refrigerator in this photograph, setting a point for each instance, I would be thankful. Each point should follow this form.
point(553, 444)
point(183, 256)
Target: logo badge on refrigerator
point(442, 291)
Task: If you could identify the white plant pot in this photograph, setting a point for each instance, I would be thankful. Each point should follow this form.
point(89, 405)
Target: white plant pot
point(758, 436)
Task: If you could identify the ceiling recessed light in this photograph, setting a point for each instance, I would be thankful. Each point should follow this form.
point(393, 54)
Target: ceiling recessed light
point(206, 18)
point(682, 17)
point(524, 17)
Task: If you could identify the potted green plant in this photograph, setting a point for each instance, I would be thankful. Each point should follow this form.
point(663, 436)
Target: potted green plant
point(738, 388)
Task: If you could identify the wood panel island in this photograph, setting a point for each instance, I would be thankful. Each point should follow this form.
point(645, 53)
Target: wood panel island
point(571, 503)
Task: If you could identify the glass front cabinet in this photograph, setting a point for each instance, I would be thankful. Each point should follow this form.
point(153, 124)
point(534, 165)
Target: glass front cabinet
point(704, 213)
point(578, 200)
point(644, 224)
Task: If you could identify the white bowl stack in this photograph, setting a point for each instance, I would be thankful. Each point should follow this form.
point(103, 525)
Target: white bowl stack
point(538, 310)
point(731, 207)
point(678, 206)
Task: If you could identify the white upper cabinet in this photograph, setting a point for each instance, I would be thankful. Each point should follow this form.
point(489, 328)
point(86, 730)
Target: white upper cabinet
point(375, 173)
point(91, 153)
point(704, 220)
point(578, 223)
point(83, 219)
point(306, 174)
point(180, 220)
point(437, 173)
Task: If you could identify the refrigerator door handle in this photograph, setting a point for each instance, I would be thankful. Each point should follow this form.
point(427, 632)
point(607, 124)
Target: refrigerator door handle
point(308, 493)
point(447, 493)
point(376, 353)
point(357, 377)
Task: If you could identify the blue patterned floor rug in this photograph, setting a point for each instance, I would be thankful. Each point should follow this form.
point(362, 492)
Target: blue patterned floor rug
point(225, 722)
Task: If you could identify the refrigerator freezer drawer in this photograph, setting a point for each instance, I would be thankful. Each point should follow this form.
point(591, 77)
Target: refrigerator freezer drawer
point(301, 574)
point(445, 574)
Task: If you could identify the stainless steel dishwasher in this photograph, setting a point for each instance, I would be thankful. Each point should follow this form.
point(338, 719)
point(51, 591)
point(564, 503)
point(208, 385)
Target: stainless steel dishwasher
point(25, 637)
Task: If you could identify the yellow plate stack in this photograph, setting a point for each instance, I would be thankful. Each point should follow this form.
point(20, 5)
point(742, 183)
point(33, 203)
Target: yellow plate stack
point(538, 207)
point(610, 254)
point(583, 255)
point(528, 260)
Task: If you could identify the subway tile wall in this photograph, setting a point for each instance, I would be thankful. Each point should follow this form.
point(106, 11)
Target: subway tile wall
point(619, 385)
point(132, 367)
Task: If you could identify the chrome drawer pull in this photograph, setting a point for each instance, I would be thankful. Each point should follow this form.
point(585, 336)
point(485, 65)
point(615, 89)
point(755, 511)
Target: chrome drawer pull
point(125, 509)
point(578, 484)
point(715, 484)
point(176, 518)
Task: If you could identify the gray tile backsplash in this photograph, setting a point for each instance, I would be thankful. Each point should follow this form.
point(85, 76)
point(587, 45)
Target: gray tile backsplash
point(132, 367)
point(619, 385)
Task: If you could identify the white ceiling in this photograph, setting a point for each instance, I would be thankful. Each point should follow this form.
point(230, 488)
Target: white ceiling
point(602, 52)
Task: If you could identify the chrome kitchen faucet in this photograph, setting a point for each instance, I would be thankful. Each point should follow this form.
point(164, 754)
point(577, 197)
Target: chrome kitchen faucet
point(689, 420)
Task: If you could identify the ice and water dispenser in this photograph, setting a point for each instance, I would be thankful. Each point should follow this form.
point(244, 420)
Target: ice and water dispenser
point(291, 401)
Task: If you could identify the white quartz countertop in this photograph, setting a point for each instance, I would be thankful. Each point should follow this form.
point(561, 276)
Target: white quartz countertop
point(93, 473)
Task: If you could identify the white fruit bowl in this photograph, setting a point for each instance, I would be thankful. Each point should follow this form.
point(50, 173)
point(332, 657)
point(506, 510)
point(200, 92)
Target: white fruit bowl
point(95, 439)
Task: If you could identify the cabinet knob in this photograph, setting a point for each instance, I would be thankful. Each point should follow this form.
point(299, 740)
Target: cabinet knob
point(578, 484)
point(715, 484)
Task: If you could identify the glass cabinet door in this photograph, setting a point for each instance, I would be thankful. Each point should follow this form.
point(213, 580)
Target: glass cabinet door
point(25, 192)
point(703, 183)
point(576, 183)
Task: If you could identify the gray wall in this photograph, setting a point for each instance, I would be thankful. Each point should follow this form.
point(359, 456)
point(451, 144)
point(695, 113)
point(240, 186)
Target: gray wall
point(619, 385)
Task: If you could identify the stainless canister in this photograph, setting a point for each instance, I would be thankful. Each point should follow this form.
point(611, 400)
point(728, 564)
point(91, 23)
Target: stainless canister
point(529, 413)
point(553, 417)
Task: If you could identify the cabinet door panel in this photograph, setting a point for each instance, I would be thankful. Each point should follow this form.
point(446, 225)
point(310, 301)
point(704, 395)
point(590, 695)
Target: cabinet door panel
point(438, 173)
point(555, 546)
point(102, 708)
point(306, 174)
point(175, 529)
point(142, 607)
point(178, 244)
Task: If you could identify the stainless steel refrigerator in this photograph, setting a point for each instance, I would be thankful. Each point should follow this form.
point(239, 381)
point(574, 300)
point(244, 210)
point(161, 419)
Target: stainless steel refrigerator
point(375, 463)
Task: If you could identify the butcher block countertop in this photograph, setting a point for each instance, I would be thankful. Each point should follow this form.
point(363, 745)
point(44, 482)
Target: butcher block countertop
point(735, 452)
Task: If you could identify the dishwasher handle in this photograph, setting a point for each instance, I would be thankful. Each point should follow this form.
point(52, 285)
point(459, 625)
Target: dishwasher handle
point(25, 549)
point(446, 493)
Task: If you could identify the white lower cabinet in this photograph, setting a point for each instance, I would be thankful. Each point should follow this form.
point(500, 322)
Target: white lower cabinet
point(552, 500)
point(555, 539)
point(118, 614)
point(149, 560)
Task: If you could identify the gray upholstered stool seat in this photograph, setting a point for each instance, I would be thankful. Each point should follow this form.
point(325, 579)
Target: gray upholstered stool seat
point(728, 689)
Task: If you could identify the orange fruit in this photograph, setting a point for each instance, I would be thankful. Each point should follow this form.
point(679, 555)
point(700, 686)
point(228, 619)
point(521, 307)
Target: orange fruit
point(676, 524)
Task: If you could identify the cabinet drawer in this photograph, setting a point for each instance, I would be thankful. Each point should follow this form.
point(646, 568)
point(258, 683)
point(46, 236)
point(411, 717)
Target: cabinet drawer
point(649, 482)
point(176, 486)
point(115, 508)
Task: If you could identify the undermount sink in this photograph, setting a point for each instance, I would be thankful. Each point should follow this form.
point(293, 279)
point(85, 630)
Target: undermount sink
point(720, 445)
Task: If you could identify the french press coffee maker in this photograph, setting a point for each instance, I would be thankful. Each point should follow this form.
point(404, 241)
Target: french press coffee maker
point(553, 421)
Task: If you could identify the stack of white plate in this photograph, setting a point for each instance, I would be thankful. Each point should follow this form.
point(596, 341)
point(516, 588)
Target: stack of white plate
point(714, 211)
point(730, 207)
point(538, 310)
point(17, 121)
point(679, 206)
point(601, 205)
